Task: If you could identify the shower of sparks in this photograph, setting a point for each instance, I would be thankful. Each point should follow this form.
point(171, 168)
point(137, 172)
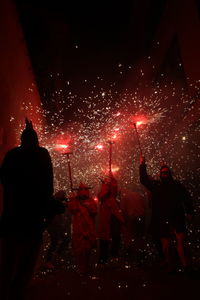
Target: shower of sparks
point(85, 125)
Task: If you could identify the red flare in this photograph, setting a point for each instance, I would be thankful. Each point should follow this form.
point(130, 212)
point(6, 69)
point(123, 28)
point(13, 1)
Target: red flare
point(99, 147)
point(138, 123)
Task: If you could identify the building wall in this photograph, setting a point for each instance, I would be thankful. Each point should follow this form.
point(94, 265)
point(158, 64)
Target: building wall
point(19, 96)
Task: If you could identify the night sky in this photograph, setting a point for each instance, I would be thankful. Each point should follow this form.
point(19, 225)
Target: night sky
point(84, 39)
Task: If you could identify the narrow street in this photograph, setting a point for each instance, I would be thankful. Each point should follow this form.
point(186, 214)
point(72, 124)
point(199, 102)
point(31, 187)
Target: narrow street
point(118, 280)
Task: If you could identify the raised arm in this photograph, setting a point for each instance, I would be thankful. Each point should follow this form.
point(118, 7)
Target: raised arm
point(144, 178)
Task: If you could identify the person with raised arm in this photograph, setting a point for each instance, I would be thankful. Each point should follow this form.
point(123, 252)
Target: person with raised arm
point(171, 206)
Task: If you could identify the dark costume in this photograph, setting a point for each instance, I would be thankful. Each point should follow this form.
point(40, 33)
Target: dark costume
point(133, 207)
point(27, 179)
point(170, 200)
point(84, 209)
point(110, 221)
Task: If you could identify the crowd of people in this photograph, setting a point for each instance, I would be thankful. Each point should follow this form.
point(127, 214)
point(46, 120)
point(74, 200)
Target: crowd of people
point(30, 207)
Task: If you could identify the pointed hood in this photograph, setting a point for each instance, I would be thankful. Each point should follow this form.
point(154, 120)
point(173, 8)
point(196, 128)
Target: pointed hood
point(29, 136)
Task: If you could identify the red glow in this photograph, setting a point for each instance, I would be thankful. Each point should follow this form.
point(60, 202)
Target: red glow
point(115, 134)
point(114, 137)
point(99, 147)
point(138, 123)
point(62, 146)
point(139, 120)
point(95, 199)
point(62, 143)
point(115, 169)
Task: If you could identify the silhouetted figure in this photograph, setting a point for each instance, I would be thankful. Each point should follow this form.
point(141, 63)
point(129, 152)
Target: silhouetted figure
point(59, 229)
point(110, 221)
point(170, 201)
point(154, 233)
point(84, 209)
point(27, 179)
point(133, 207)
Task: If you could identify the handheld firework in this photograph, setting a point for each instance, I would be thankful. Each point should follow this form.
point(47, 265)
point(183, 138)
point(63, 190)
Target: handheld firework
point(110, 156)
point(69, 169)
point(137, 135)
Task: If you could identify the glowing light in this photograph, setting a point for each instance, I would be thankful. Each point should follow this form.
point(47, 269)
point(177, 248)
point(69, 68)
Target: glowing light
point(61, 146)
point(138, 123)
point(115, 169)
point(99, 147)
point(140, 120)
point(96, 199)
point(114, 137)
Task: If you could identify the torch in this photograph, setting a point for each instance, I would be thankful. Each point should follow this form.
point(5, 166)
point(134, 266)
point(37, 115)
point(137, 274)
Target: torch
point(110, 156)
point(69, 169)
point(100, 147)
point(137, 135)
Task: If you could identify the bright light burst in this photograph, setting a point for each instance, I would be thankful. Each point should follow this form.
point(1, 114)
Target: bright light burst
point(84, 125)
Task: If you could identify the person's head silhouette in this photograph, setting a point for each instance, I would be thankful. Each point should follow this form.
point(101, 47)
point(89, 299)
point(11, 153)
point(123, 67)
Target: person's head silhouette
point(29, 136)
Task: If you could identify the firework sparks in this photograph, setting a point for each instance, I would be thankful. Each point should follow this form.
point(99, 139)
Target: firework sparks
point(109, 115)
point(84, 127)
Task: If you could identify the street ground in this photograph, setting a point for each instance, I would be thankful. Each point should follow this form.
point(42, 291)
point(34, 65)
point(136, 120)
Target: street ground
point(123, 279)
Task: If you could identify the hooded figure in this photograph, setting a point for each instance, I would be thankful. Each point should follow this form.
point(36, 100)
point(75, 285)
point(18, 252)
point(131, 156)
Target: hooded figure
point(110, 220)
point(27, 178)
point(170, 202)
point(29, 138)
point(84, 209)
